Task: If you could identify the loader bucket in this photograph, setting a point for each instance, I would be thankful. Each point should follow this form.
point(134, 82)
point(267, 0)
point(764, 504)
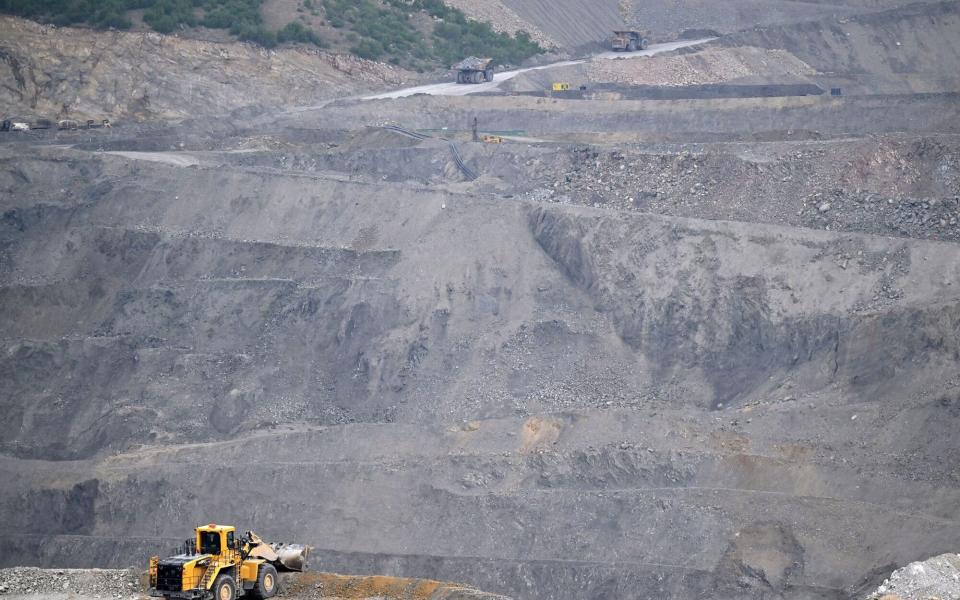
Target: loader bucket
point(285, 557)
point(291, 557)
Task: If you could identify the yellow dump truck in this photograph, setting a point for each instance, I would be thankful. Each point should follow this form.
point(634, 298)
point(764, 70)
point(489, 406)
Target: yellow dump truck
point(217, 565)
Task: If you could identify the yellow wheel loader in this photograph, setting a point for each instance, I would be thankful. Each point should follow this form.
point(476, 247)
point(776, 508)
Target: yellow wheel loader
point(216, 565)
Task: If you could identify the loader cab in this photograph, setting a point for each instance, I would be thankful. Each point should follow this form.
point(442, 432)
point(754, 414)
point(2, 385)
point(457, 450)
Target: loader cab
point(216, 539)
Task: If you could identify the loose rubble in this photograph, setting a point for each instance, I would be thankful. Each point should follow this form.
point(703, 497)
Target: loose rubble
point(713, 65)
point(916, 194)
point(89, 583)
point(936, 578)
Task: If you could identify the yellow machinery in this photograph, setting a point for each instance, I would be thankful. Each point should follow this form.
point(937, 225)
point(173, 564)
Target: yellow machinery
point(561, 87)
point(491, 139)
point(629, 41)
point(216, 565)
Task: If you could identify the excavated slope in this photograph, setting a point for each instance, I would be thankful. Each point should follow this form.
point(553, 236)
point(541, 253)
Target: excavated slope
point(76, 73)
point(543, 401)
point(910, 49)
point(572, 24)
point(319, 330)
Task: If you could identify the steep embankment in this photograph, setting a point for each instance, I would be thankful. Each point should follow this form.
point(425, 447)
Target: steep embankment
point(544, 401)
point(568, 24)
point(666, 17)
point(77, 73)
point(911, 49)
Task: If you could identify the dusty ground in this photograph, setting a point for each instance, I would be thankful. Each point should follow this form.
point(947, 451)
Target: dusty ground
point(26, 583)
point(704, 347)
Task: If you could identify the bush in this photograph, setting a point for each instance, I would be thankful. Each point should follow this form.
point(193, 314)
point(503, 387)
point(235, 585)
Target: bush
point(296, 32)
point(101, 14)
point(258, 34)
point(369, 49)
point(376, 29)
point(387, 30)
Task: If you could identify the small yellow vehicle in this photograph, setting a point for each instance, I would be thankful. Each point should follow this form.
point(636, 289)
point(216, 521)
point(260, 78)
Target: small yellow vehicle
point(561, 87)
point(217, 565)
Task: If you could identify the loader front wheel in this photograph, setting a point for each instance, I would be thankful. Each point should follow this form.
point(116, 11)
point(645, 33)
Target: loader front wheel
point(224, 588)
point(266, 586)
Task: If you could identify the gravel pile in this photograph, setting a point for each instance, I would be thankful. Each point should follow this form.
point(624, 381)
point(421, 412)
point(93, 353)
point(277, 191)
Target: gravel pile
point(930, 218)
point(916, 196)
point(712, 65)
point(92, 583)
point(936, 578)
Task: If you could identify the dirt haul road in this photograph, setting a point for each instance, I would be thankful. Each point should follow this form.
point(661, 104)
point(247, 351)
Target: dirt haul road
point(457, 89)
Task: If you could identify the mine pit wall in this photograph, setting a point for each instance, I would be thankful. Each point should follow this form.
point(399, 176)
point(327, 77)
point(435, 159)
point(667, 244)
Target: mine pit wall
point(242, 283)
point(909, 49)
point(570, 23)
point(176, 284)
point(731, 330)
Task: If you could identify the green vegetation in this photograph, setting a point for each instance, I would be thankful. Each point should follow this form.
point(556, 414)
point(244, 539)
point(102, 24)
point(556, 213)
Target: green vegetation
point(418, 34)
point(162, 15)
point(295, 32)
point(100, 13)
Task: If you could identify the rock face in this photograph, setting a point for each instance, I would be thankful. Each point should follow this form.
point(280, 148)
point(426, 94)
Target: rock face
point(420, 377)
point(908, 49)
point(77, 73)
point(568, 24)
point(501, 18)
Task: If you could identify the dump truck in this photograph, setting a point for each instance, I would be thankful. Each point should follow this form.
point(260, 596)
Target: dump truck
point(474, 70)
point(218, 565)
point(628, 41)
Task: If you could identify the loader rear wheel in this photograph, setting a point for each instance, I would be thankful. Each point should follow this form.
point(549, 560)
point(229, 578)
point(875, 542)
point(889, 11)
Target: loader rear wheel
point(266, 586)
point(224, 588)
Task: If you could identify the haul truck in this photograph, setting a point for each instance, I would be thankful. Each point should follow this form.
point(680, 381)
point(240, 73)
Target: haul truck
point(628, 41)
point(474, 70)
